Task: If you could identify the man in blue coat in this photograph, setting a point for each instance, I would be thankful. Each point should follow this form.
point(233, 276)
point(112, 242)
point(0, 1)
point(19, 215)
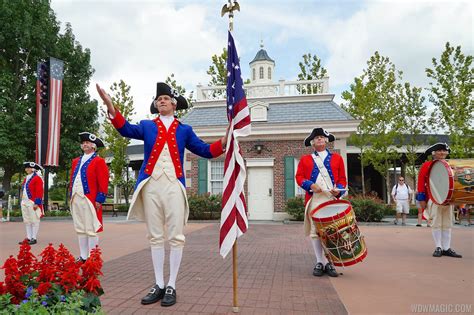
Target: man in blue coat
point(160, 193)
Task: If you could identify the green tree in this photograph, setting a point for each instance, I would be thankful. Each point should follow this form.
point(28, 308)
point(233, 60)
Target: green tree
point(414, 122)
point(218, 69)
point(359, 104)
point(451, 93)
point(117, 145)
point(311, 69)
point(374, 99)
point(218, 72)
point(171, 81)
point(29, 33)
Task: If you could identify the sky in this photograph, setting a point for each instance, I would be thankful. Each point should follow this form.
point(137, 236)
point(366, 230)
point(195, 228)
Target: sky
point(143, 42)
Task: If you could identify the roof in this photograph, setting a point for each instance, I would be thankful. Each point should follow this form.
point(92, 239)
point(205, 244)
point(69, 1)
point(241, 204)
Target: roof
point(277, 113)
point(262, 55)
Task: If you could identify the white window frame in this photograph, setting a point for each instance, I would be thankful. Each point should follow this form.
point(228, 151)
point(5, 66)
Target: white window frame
point(261, 73)
point(210, 180)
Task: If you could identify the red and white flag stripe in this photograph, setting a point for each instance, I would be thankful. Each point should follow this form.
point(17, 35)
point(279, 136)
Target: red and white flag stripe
point(52, 153)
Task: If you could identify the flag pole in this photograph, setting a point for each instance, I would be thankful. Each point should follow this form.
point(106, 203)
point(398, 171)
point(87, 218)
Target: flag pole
point(230, 7)
point(235, 305)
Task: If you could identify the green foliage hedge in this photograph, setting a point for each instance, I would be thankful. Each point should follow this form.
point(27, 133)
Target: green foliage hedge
point(366, 208)
point(295, 208)
point(205, 207)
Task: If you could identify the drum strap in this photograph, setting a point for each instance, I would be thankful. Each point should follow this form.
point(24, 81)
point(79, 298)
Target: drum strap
point(323, 171)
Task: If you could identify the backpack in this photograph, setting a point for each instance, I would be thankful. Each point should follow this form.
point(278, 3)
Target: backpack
point(396, 188)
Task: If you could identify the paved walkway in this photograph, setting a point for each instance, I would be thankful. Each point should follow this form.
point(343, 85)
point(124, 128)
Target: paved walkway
point(399, 275)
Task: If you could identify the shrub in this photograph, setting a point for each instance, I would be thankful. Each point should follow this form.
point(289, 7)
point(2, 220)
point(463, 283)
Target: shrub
point(122, 207)
point(368, 208)
point(17, 213)
point(295, 208)
point(56, 284)
point(205, 207)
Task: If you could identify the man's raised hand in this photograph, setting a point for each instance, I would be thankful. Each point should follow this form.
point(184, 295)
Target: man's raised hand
point(106, 99)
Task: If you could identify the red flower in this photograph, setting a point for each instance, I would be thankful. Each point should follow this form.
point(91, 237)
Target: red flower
point(26, 260)
point(55, 267)
point(13, 284)
point(92, 285)
point(43, 288)
point(91, 270)
point(47, 266)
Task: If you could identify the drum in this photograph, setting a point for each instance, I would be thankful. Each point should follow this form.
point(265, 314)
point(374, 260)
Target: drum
point(451, 181)
point(337, 228)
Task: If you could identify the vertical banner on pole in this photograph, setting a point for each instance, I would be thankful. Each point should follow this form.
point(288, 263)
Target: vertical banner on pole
point(48, 111)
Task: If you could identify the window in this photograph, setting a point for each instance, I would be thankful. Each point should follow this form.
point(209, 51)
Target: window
point(269, 73)
point(261, 72)
point(258, 111)
point(298, 190)
point(216, 177)
point(254, 77)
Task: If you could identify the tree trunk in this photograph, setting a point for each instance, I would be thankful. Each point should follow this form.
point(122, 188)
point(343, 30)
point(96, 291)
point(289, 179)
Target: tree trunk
point(387, 186)
point(362, 171)
point(7, 178)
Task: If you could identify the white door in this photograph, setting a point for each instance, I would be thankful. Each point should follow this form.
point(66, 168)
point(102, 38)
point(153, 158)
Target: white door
point(260, 193)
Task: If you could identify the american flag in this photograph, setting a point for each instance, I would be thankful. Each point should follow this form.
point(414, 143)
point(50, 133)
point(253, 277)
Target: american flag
point(234, 209)
point(55, 98)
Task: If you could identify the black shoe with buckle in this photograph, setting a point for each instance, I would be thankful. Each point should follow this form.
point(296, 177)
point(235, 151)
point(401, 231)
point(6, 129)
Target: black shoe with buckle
point(33, 241)
point(438, 252)
point(318, 270)
point(170, 297)
point(80, 260)
point(451, 253)
point(154, 295)
point(330, 270)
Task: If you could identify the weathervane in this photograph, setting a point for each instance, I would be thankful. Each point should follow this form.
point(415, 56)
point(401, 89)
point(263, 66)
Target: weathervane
point(230, 7)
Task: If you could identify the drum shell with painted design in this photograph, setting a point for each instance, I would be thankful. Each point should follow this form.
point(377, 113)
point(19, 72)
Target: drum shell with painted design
point(451, 181)
point(337, 227)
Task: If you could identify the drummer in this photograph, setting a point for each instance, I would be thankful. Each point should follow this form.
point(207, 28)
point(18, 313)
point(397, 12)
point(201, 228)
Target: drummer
point(442, 215)
point(322, 175)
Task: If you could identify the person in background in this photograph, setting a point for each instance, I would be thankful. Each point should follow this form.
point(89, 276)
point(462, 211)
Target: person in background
point(402, 194)
point(442, 215)
point(32, 190)
point(88, 189)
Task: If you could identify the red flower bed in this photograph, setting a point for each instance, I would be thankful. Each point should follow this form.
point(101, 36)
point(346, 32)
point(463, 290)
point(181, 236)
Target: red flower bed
point(54, 275)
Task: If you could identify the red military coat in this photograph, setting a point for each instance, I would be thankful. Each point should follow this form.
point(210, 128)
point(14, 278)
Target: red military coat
point(95, 180)
point(35, 190)
point(308, 172)
point(422, 188)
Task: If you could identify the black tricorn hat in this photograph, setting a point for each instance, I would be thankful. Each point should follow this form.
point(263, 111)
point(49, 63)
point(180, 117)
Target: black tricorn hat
point(164, 89)
point(318, 132)
point(87, 136)
point(32, 165)
point(436, 147)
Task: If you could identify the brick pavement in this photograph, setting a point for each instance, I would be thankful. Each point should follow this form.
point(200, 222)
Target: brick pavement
point(275, 268)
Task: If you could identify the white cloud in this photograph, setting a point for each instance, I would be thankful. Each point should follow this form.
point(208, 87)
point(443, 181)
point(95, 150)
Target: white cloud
point(410, 34)
point(143, 42)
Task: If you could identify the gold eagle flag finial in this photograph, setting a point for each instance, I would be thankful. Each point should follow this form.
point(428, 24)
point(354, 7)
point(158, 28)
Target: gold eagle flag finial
point(230, 7)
